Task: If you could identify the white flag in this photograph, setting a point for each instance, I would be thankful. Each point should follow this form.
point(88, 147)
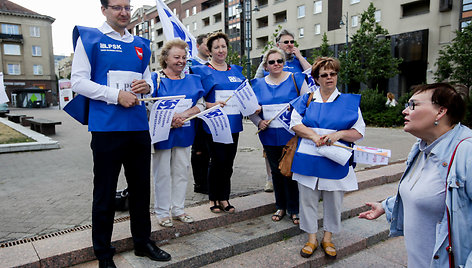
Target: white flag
point(3, 94)
point(160, 119)
point(247, 100)
point(173, 28)
point(284, 118)
point(218, 122)
point(371, 155)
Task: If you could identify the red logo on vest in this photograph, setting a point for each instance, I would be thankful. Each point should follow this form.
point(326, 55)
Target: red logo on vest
point(139, 52)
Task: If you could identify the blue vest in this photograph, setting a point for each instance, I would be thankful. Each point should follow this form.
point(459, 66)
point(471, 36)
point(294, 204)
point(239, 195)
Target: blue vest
point(270, 94)
point(341, 114)
point(292, 66)
point(191, 87)
point(221, 80)
point(105, 54)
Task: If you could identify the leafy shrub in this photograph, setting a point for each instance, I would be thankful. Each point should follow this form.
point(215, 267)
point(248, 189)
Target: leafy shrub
point(375, 113)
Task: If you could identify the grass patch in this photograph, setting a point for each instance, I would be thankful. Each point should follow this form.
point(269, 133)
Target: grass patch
point(9, 135)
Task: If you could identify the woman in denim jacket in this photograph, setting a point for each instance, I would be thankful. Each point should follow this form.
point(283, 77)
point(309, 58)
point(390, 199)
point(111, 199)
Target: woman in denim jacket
point(425, 197)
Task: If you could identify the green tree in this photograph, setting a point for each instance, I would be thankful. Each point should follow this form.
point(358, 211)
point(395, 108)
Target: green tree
point(369, 60)
point(271, 43)
point(455, 59)
point(234, 58)
point(322, 51)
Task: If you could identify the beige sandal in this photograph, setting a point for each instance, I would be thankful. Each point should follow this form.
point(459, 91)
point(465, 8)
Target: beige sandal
point(184, 218)
point(329, 249)
point(166, 223)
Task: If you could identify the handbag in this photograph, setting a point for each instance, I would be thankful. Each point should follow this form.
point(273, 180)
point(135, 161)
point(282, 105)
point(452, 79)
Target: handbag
point(449, 235)
point(285, 163)
point(121, 200)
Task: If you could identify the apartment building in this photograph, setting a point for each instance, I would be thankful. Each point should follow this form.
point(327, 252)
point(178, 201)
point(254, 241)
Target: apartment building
point(26, 57)
point(417, 28)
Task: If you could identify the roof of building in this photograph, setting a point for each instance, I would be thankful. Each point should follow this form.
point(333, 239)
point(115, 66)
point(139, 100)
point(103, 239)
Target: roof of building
point(15, 9)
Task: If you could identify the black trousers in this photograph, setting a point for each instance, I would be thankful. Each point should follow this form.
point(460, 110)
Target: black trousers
point(285, 189)
point(221, 167)
point(200, 157)
point(111, 150)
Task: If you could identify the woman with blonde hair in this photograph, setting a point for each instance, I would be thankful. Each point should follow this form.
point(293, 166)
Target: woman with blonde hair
point(171, 160)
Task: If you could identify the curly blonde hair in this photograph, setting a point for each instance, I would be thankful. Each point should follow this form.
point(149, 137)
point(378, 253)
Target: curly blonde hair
point(167, 47)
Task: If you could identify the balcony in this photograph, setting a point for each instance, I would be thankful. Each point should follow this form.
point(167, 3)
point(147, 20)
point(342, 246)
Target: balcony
point(18, 38)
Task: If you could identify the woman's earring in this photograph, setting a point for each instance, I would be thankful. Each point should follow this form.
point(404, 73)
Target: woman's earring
point(436, 122)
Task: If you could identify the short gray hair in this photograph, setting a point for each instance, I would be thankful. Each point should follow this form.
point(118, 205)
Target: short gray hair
point(282, 33)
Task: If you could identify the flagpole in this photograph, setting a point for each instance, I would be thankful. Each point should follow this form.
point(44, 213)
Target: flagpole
point(163, 98)
point(360, 150)
point(200, 113)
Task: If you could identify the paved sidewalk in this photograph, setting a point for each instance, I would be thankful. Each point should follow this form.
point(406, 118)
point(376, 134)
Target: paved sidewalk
point(48, 191)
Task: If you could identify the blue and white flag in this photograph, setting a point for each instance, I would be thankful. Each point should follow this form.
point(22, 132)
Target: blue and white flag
point(173, 28)
point(284, 118)
point(160, 119)
point(247, 100)
point(3, 94)
point(311, 81)
point(218, 122)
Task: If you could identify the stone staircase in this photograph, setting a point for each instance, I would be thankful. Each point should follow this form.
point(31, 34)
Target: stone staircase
point(248, 238)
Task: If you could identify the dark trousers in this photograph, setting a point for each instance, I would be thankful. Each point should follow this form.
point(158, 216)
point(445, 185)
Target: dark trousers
point(111, 150)
point(200, 157)
point(221, 167)
point(285, 189)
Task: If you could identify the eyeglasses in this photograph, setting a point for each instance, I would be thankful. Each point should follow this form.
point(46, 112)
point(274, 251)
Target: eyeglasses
point(412, 104)
point(289, 41)
point(332, 74)
point(120, 8)
point(279, 61)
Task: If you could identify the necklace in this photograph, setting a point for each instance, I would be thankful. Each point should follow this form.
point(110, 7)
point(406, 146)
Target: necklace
point(415, 166)
point(219, 67)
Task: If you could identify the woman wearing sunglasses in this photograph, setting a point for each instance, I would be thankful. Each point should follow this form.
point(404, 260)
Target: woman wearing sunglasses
point(322, 119)
point(435, 192)
point(274, 92)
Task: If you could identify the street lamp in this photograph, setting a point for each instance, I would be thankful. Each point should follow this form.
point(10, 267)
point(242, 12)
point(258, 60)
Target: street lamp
point(247, 17)
point(341, 23)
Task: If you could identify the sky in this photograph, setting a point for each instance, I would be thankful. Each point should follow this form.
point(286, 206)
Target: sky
point(70, 13)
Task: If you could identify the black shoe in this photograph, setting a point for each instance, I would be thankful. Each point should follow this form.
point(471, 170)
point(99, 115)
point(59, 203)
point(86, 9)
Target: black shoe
point(151, 251)
point(107, 263)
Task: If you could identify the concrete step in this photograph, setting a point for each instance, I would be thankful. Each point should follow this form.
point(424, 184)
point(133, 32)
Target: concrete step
point(357, 235)
point(75, 247)
point(255, 236)
point(389, 253)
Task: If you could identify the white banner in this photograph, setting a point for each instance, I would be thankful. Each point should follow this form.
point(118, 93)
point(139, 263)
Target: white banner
point(122, 80)
point(247, 100)
point(173, 28)
point(272, 111)
point(218, 122)
point(160, 119)
point(371, 155)
point(3, 94)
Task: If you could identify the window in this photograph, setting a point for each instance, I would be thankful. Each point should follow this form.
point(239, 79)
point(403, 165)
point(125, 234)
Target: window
point(14, 69)
point(187, 13)
point(317, 29)
point(355, 1)
point(10, 29)
point(301, 32)
point(36, 51)
point(206, 21)
point(195, 26)
point(34, 31)
point(378, 16)
point(301, 11)
point(194, 10)
point(318, 7)
point(280, 17)
point(466, 5)
point(175, 11)
point(217, 17)
point(37, 69)
point(354, 21)
point(187, 27)
point(9, 49)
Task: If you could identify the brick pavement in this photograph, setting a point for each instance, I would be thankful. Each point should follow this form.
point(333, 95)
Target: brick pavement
point(47, 191)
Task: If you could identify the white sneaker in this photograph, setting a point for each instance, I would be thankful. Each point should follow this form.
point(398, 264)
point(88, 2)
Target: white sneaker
point(269, 187)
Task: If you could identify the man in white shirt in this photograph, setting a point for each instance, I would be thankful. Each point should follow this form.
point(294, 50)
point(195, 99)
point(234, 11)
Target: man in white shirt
point(119, 127)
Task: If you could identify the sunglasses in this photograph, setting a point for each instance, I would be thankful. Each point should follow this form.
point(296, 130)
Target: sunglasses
point(332, 74)
point(412, 104)
point(289, 41)
point(279, 61)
